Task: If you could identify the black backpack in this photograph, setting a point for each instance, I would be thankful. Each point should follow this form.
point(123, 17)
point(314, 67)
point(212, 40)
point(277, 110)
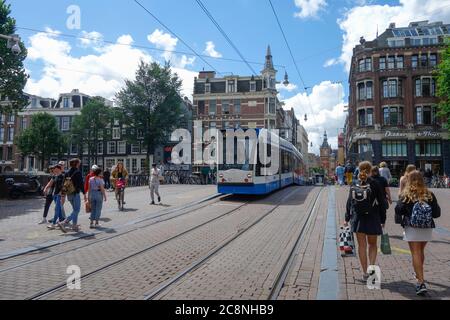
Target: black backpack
point(361, 196)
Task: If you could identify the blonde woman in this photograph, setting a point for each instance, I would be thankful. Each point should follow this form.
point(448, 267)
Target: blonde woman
point(404, 178)
point(364, 213)
point(385, 172)
point(415, 212)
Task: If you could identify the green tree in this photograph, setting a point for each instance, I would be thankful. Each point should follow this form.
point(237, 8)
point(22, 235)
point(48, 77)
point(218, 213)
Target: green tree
point(443, 84)
point(151, 104)
point(12, 73)
point(42, 138)
point(89, 127)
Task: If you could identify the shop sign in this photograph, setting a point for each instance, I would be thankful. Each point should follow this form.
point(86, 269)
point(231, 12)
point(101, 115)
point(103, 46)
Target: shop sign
point(390, 134)
point(428, 134)
point(360, 135)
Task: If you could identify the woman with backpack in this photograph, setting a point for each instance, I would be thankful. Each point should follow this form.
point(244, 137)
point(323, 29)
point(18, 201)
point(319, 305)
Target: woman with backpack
point(415, 211)
point(365, 216)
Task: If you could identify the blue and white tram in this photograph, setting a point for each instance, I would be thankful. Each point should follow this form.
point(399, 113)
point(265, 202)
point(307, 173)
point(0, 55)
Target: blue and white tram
point(247, 178)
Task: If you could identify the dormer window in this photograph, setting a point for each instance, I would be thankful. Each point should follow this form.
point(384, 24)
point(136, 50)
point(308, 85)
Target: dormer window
point(231, 86)
point(33, 102)
point(252, 86)
point(207, 88)
point(66, 103)
point(271, 82)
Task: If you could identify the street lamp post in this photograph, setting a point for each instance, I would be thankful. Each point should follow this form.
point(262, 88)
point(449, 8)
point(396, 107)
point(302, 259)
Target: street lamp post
point(13, 44)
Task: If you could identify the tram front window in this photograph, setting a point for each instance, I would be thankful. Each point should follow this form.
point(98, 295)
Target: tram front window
point(243, 167)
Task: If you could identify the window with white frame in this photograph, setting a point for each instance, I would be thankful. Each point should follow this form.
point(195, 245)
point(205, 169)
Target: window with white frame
point(225, 107)
point(426, 115)
point(85, 148)
point(10, 134)
point(116, 133)
point(393, 116)
point(135, 149)
point(212, 107)
point(365, 65)
point(134, 167)
point(365, 90)
point(100, 148)
point(364, 146)
point(237, 106)
point(392, 88)
point(111, 147)
point(425, 87)
point(252, 86)
point(140, 134)
point(122, 147)
point(272, 105)
point(231, 86)
point(11, 118)
point(65, 124)
point(66, 102)
point(2, 134)
point(365, 117)
point(207, 88)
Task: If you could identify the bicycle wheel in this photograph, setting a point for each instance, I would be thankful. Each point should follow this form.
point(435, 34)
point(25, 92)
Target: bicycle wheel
point(122, 200)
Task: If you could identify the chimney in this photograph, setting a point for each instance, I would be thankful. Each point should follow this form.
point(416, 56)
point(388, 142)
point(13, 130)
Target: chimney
point(392, 25)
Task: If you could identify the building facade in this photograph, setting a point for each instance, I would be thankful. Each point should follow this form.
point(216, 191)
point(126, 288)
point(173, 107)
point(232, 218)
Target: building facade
point(237, 101)
point(112, 144)
point(8, 131)
point(393, 103)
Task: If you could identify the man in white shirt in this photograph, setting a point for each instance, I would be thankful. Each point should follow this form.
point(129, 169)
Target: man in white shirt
point(154, 183)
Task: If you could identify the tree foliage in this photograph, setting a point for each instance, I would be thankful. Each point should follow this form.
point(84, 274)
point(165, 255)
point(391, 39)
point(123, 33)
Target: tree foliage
point(443, 84)
point(89, 127)
point(42, 138)
point(151, 104)
point(12, 73)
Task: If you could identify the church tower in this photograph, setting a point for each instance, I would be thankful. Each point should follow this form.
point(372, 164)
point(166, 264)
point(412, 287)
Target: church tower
point(269, 73)
point(325, 153)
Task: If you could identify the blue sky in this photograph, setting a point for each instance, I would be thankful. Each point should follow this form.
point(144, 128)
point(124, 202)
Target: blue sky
point(315, 30)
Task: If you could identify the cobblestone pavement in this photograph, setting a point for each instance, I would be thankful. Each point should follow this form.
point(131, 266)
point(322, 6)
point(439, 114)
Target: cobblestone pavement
point(137, 258)
point(135, 277)
point(397, 272)
point(248, 267)
point(19, 219)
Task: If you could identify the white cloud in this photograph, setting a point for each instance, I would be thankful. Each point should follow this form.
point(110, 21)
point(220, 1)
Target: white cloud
point(327, 104)
point(166, 42)
point(289, 88)
point(363, 20)
point(330, 62)
point(102, 73)
point(211, 50)
point(88, 39)
point(309, 8)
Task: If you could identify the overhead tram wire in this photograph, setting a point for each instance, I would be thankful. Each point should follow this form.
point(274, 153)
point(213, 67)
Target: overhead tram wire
point(224, 34)
point(293, 59)
point(101, 40)
point(176, 36)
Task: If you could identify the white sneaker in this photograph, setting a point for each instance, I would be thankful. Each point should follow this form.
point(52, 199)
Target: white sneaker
point(43, 221)
point(51, 227)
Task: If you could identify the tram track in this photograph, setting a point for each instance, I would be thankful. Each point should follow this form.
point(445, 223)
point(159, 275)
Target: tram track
point(190, 208)
point(49, 291)
point(158, 291)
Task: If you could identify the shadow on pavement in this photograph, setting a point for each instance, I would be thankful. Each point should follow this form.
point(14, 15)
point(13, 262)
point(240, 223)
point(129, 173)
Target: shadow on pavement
point(434, 241)
point(274, 197)
point(8, 208)
point(407, 290)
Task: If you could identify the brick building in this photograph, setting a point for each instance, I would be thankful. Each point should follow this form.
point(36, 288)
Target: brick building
point(393, 103)
point(240, 101)
point(8, 130)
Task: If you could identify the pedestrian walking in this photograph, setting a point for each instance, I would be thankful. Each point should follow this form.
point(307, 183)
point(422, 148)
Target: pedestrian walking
point(89, 176)
point(107, 179)
point(404, 179)
point(119, 173)
point(48, 193)
point(365, 217)
point(96, 195)
point(76, 178)
point(349, 170)
point(384, 187)
point(340, 171)
point(385, 172)
point(62, 164)
point(58, 196)
point(415, 212)
point(154, 184)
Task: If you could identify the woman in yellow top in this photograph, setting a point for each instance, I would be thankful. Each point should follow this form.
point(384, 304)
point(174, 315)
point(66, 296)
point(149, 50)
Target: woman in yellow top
point(119, 173)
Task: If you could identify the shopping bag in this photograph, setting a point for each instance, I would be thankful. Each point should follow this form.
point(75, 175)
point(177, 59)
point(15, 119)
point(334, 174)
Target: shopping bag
point(87, 207)
point(346, 244)
point(385, 243)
